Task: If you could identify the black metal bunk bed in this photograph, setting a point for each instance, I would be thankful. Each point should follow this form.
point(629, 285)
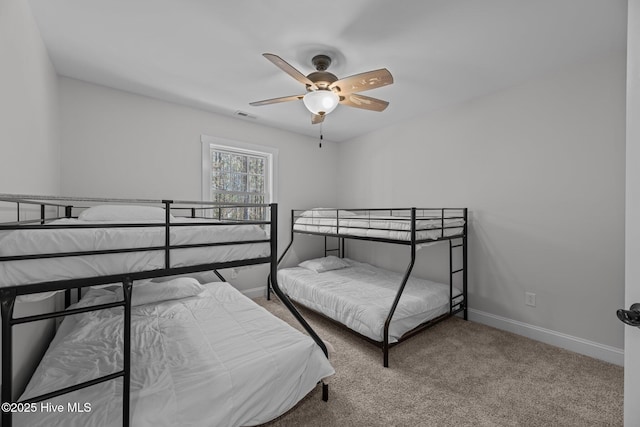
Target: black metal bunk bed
point(52, 208)
point(410, 227)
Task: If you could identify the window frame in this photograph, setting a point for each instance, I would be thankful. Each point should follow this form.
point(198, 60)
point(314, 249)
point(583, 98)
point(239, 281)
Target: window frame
point(210, 143)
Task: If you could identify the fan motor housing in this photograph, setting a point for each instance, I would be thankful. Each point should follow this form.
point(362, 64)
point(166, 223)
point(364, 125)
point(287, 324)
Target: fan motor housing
point(322, 79)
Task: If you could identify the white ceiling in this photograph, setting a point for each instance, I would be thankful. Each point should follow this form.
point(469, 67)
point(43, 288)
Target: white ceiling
point(207, 53)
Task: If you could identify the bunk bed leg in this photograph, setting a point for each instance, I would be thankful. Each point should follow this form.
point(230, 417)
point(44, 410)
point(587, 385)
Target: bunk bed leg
point(7, 302)
point(127, 285)
point(385, 357)
point(325, 391)
point(269, 287)
point(279, 260)
point(67, 298)
point(387, 323)
point(167, 233)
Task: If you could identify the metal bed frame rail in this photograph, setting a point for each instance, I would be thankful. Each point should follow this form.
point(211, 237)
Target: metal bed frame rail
point(8, 294)
point(458, 240)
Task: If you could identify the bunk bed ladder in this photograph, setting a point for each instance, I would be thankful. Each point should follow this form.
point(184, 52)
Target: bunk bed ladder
point(460, 243)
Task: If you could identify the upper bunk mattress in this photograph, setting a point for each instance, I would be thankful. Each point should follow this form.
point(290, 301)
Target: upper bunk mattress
point(377, 226)
point(361, 295)
point(60, 240)
point(215, 359)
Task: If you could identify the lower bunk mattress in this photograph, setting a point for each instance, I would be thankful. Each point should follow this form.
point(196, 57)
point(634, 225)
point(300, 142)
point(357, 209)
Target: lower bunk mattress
point(360, 296)
point(213, 359)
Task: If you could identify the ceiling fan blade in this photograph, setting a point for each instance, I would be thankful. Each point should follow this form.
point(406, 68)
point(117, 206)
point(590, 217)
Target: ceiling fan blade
point(364, 102)
point(287, 68)
point(317, 118)
point(363, 81)
point(276, 100)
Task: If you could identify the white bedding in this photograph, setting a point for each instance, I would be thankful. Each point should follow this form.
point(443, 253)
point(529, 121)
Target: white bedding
point(360, 297)
point(388, 227)
point(23, 242)
point(217, 359)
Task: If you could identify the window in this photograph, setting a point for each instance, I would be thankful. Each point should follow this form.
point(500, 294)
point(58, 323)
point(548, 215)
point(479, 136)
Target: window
point(238, 173)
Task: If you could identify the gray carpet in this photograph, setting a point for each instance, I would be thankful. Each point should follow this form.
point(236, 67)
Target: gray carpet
point(457, 373)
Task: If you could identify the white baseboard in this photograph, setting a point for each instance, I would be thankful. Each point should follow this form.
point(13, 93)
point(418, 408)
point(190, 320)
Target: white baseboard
point(260, 291)
point(568, 342)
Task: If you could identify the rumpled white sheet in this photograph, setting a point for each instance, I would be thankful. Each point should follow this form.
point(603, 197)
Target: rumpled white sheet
point(217, 359)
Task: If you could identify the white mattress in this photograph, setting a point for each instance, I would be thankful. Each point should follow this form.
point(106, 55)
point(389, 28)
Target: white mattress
point(217, 359)
point(387, 227)
point(24, 242)
point(360, 297)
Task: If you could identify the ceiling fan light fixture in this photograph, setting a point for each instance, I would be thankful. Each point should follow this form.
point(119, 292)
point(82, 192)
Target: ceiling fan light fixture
point(321, 101)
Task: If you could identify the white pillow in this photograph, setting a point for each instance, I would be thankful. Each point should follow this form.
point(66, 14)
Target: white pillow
point(151, 292)
point(326, 213)
point(123, 213)
point(320, 265)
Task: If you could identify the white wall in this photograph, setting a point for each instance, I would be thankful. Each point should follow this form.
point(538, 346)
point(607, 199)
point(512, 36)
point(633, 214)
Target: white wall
point(29, 145)
point(116, 144)
point(632, 294)
point(541, 168)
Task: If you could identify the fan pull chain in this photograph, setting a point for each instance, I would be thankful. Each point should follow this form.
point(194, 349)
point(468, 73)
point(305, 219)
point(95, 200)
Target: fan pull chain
point(321, 136)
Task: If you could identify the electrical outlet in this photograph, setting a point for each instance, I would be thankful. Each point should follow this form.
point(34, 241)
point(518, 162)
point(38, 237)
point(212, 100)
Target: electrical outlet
point(530, 299)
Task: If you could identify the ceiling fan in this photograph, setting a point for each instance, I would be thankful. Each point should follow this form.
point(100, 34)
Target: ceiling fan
point(325, 91)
